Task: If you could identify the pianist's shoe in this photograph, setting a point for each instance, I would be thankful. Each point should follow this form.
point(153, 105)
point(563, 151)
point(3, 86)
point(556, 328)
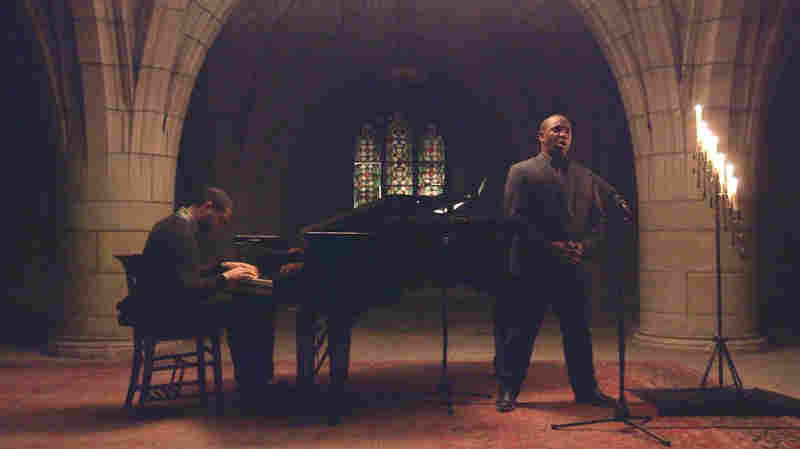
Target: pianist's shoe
point(340, 402)
point(264, 399)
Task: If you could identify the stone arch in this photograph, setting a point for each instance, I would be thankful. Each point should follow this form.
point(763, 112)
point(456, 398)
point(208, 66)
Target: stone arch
point(113, 65)
point(666, 57)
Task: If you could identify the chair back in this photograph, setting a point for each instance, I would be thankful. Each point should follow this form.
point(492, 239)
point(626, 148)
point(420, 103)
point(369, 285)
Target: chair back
point(133, 264)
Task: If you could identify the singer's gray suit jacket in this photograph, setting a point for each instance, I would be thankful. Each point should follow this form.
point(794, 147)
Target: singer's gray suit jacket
point(552, 207)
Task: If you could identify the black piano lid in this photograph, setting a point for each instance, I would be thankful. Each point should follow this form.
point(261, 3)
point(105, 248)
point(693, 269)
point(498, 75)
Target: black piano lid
point(256, 237)
point(361, 222)
point(343, 234)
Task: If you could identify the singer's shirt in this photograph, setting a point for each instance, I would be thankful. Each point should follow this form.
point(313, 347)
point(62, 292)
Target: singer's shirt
point(552, 203)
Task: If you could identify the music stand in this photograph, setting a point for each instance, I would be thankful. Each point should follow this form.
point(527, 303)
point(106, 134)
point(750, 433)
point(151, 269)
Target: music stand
point(621, 412)
point(445, 388)
point(445, 384)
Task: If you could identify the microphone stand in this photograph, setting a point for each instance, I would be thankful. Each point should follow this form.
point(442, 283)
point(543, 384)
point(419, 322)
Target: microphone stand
point(445, 387)
point(622, 413)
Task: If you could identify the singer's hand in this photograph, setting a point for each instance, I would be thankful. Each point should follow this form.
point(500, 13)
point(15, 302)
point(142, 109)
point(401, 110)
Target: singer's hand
point(577, 247)
point(568, 251)
point(627, 214)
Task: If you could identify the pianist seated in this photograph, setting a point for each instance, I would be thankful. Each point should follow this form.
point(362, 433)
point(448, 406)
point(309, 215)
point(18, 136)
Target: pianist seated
point(181, 284)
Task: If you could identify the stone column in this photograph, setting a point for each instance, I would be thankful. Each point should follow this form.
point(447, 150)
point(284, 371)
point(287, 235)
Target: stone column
point(135, 64)
point(730, 51)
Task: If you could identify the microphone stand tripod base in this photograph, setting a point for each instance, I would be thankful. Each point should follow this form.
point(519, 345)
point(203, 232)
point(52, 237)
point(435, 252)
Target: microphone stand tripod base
point(622, 414)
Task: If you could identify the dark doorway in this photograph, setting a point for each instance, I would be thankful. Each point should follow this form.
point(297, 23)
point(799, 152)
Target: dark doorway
point(779, 237)
point(32, 184)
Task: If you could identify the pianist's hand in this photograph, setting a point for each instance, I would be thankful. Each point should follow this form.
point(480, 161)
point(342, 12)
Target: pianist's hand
point(291, 268)
point(239, 273)
point(253, 268)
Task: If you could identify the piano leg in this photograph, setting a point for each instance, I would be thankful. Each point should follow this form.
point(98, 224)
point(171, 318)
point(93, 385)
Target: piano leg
point(304, 332)
point(310, 355)
point(340, 328)
point(340, 331)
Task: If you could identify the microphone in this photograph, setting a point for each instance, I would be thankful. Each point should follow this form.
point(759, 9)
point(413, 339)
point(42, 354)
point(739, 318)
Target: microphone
point(617, 198)
point(623, 205)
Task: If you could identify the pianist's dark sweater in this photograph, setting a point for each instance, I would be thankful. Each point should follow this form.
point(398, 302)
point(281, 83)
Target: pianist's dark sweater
point(174, 264)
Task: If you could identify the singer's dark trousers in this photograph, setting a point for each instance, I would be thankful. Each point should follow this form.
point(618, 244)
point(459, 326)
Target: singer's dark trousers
point(519, 313)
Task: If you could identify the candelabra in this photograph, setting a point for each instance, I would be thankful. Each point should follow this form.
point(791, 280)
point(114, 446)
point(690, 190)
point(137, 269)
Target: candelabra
point(718, 185)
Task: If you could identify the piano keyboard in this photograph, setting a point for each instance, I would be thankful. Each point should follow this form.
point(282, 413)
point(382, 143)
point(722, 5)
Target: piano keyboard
point(259, 282)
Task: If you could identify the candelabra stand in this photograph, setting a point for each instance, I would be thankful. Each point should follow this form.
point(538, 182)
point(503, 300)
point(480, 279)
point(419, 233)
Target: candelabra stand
point(726, 216)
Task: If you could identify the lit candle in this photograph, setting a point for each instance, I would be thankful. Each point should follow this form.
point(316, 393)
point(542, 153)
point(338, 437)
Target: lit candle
point(698, 112)
point(711, 150)
point(705, 135)
point(728, 176)
point(719, 166)
point(733, 186)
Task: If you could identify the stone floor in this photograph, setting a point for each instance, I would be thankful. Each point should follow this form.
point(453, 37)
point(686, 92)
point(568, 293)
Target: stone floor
point(414, 333)
point(55, 416)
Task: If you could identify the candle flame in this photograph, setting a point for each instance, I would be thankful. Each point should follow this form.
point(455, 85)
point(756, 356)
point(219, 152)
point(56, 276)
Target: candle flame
point(713, 141)
point(733, 187)
point(719, 167)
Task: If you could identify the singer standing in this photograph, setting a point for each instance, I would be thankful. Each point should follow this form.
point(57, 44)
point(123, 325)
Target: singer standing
point(557, 204)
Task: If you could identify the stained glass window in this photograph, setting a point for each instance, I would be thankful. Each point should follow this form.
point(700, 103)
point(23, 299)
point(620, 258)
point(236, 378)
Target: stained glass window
point(430, 163)
point(367, 168)
point(399, 178)
point(398, 169)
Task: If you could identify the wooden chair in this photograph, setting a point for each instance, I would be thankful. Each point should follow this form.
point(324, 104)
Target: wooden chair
point(148, 333)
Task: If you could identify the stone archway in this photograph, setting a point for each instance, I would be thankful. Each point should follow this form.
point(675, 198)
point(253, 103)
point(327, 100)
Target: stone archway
point(122, 87)
point(666, 59)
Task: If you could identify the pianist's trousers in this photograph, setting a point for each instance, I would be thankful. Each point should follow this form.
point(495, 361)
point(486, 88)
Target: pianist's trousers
point(519, 314)
point(249, 326)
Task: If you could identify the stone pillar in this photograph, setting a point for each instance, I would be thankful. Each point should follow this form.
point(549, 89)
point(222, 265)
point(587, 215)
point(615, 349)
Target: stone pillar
point(134, 65)
point(677, 269)
point(666, 60)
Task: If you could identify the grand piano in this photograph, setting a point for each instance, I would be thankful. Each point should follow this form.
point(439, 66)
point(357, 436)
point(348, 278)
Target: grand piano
point(369, 256)
point(373, 253)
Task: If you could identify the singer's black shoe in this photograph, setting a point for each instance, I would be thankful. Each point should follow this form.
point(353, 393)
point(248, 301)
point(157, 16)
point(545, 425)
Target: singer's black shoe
point(596, 397)
point(506, 398)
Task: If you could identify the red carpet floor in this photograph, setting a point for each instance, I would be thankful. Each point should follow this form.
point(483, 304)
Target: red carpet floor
point(75, 405)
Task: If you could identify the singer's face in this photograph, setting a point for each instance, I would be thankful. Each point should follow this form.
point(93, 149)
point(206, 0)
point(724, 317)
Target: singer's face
point(555, 134)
